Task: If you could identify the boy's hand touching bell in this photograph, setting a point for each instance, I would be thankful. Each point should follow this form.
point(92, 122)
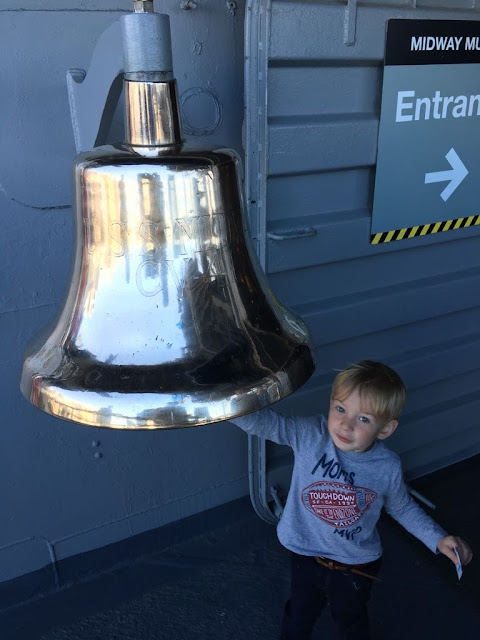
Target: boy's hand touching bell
point(447, 544)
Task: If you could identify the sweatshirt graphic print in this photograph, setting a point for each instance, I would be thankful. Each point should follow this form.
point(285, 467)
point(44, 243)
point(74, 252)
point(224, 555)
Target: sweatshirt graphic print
point(336, 497)
point(339, 505)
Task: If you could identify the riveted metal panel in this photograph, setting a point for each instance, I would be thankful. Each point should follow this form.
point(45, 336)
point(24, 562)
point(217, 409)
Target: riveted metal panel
point(311, 146)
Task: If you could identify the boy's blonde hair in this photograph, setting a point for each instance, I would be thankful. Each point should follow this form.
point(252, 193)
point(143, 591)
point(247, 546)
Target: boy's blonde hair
point(380, 386)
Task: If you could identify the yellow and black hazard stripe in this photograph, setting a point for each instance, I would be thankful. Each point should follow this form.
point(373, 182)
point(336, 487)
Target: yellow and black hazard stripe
point(424, 229)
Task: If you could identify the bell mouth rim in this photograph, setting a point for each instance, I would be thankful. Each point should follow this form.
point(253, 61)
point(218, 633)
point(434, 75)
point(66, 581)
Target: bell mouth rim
point(140, 411)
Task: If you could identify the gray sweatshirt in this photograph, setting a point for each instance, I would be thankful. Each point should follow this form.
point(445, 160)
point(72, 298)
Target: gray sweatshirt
point(336, 497)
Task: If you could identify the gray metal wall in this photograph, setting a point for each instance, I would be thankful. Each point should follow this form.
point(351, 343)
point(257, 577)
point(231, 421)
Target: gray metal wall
point(57, 496)
point(313, 98)
point(67, 488)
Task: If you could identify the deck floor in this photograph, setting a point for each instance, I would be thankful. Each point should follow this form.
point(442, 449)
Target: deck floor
point(231, 583)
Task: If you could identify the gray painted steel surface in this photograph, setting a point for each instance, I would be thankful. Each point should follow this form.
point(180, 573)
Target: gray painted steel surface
point(413, 304)
point(313, 91)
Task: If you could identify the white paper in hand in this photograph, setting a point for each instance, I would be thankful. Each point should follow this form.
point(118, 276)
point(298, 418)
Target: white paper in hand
point(458, 566)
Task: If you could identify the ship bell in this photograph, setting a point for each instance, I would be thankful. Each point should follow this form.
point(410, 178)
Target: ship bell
point(169, 320)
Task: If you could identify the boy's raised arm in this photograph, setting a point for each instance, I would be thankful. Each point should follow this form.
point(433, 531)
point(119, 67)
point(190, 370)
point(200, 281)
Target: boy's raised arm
point(271, 425)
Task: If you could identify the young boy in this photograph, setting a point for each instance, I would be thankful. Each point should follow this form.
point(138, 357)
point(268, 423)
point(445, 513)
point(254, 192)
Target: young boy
point(343, 475)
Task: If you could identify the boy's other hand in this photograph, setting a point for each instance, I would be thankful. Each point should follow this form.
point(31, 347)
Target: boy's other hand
point(447, 544)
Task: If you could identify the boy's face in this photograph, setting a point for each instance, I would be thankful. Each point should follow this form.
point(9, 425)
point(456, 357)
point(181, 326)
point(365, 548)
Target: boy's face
point(353, 427)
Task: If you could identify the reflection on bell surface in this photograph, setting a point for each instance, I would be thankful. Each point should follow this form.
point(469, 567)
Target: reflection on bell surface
point(168, 322)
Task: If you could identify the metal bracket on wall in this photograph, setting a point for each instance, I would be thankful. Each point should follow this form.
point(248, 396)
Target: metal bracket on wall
point(93, 97)
point(257, 30)
point(257, 474)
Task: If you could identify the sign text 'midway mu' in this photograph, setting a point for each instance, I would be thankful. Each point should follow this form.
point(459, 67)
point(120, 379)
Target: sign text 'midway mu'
point(445, 43)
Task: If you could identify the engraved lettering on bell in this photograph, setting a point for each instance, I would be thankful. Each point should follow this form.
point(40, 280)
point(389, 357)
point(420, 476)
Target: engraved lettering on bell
point(153, 234)
point(202, 232)
point(117, 235)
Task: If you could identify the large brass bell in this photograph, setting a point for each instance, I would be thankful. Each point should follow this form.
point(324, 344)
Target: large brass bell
point(168, 322)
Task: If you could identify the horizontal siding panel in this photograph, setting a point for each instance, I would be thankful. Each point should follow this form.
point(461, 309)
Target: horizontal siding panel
point(423, 371)
point(438, 424)
point(315, 31)
point(421, 399)
point(336, 320)
point(429, 368)
point(397, 343)
point(389, 3)
point(441, 453)
point(304, 91)
point(350, 277)
point(340, 236)
point(308, 195)
point(299, 145)
point(445, 4)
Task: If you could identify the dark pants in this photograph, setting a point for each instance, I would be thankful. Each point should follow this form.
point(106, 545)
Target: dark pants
point(313, 585)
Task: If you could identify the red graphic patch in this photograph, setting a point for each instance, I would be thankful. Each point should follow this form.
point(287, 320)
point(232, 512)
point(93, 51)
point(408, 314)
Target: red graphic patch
point(337, 504)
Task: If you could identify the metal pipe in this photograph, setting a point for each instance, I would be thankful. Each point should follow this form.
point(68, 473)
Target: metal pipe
point(151, 114)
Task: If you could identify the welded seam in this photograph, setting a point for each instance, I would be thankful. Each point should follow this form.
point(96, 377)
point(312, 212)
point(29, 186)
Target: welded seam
point(57, 207)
